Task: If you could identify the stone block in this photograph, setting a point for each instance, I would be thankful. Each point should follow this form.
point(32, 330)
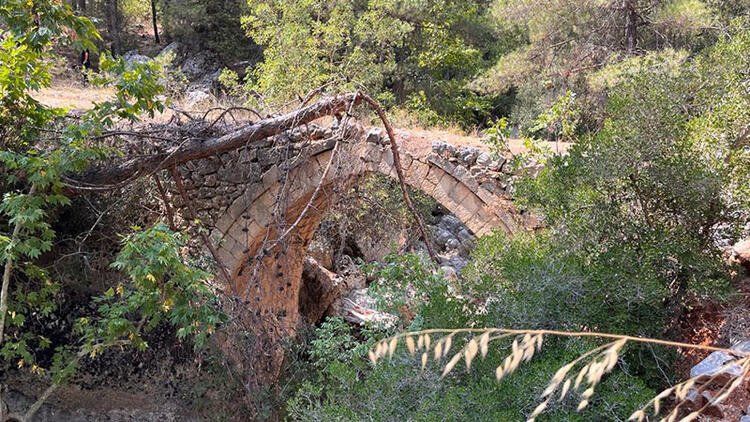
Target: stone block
point(434, 175)
point(440, 162)
point(427, 187)
point(417, 173)
point(463, 212)
point(472, 203)
point(271, 176)
point(224, 223)
point(406, 160)
point(226, 257)
point(459, 193)
point(237, 208)
point(447, 185)
point(386, 162)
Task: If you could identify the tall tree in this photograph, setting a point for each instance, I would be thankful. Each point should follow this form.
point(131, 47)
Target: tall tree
point(153, 20)
point(631, 25)
point(563, 42)
point(114, 23)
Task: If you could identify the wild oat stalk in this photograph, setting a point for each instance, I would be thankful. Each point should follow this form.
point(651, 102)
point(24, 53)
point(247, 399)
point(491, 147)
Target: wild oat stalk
point(583, 373)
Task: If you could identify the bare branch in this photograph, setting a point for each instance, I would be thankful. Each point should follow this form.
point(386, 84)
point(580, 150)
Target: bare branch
point(110, 177)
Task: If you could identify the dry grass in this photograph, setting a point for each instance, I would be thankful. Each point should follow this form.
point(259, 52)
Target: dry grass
point(73, 96)
point(583, 373)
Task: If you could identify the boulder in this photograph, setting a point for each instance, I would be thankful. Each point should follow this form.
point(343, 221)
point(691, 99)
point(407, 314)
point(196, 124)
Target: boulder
point(451, 223)
point(203, 89)
point(442, 236)
point(197, 66)
point(174, 48)
point(452, 244)
point(133, 56)
point(719, 363)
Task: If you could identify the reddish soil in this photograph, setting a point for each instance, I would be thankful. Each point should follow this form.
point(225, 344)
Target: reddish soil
point(707, 324)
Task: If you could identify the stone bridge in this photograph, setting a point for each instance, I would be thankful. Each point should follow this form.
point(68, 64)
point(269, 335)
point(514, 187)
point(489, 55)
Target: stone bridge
point(263, 204)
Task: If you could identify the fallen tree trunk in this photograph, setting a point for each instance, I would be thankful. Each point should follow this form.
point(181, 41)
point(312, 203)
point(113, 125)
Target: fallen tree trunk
point(111, 177)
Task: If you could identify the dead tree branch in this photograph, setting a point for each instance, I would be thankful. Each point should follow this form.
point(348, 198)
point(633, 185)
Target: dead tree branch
point(400, 173)
point(109, 177)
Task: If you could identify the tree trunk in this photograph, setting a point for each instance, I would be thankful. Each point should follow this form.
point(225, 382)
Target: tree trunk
point(153, 20)
point(80, 5)
point(111, 177)
point(113, 23)
point(631, 25)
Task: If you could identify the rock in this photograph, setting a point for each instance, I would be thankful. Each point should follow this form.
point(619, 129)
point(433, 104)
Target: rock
point(715, 362)
point(484, 159)
point(451, 223)
point(741, 251)
point(442, 237)
point(450, 150)
point(478, 172)
point(716, 411)
point(452, 244)
point(320, 288)
point(375, 135)
point(208, 83)
point(210, 165)
point(467, 241)
point(497, 165)
point(452, 260)
point(697, 399)
point(134, 57)
point(201, 64)
point(172, 48)
point(194, 98)
point(438, 147)
point(465, 236)
point(449, 272)
point(359, 308)
point(467, 155)
point(203, 90)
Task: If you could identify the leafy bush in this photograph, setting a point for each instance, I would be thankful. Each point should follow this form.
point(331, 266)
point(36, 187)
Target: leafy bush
point(420, 54)
point(350, 389)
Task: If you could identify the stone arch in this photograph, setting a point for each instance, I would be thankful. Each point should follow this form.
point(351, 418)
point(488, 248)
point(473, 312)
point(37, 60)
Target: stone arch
point(239, 230)
point(269, 280)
